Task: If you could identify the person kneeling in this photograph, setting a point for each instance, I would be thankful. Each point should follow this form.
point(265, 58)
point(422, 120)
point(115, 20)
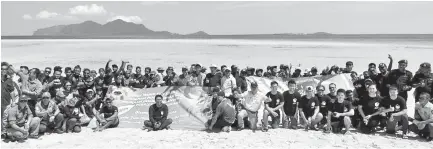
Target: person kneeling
point(50, 115)
point(110, 118)
point(339, 114)
point(395, 108)
point(423, 122)
point(158, 113)
point(21, 123)
point(225, 115)
point(71, 113)
point(309, 109)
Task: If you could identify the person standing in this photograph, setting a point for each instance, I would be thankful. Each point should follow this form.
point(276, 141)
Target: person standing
point(401, 78)
point(423, 80)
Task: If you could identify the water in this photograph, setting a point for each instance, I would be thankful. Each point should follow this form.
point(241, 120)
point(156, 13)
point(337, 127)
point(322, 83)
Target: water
point(95, 53)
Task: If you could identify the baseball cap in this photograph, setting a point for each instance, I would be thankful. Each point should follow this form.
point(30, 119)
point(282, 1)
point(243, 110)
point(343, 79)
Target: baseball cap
point(221, 94)
point(46, 94)
point(382, 65)
point(170, 68)
point(213, 66)
point(425, 65)
point(349, 63)
point(402, 61)
point(393, 87)
point(198, 64)
point(24, 98)
point(254, 85)
point(372, 64)
point(89, 90)
point(160, 69)
point(368, 80)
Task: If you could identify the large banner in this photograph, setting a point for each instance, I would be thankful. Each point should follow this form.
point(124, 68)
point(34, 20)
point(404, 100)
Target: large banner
point(189, 107)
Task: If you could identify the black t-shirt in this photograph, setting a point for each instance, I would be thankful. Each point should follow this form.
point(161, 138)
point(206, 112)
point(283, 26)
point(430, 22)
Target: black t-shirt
point(398, 104)
point(290, 102)
point(308, 105)
point(370, 105)
point(325, 102)
point(108, 111)
point(343, 107)
point(275, 99)
point(396, 77)
point(332, 96)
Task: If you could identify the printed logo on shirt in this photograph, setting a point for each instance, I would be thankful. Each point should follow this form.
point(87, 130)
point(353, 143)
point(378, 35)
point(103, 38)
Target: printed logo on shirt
point(162, 113)
point(397, 107)
point(345, 109)
point(323, 103)
point(294, 100)
point(376, 105)
point(313, 104)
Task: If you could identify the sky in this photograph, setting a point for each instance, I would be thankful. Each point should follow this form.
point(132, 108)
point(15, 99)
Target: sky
point(217, 18)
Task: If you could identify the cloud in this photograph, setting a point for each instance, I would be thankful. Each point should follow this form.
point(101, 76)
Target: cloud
point(88, 10)
point(151, 3)
point(133, 19)
point(27, 17)
point(46, 15)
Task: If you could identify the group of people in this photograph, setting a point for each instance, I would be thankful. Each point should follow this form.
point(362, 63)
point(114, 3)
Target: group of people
point(56, 101)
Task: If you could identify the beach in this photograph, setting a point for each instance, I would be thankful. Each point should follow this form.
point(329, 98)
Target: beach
point(94, 54)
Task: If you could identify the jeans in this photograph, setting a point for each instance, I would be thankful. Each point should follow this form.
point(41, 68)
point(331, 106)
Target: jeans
point(275, 119)
point(252, 118)
point(402, 119)
point(56, 124)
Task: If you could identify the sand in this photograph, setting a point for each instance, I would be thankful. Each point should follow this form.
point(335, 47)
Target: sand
point(274, 138)
point(94, 54)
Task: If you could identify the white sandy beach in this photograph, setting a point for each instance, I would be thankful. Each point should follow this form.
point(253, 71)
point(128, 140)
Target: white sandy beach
point(95, 53)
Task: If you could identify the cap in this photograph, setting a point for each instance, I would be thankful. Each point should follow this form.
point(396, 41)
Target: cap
point(185, 68)
point(349, 63)
point(368, 80)
point(425, 65)
point(216, 89)
point(170, 68)
point(24, 97)
point(309, 88)
point(274, 66)
point(160, 69)
point(254, 85)
point(152, 72)
point(261, 70)
point(402, 61)
point(234, 66)
point(213, 66)
point(198, 64)
point(298, 69)
point(382, 65)
point(222, 94)
point(372, 64)
point(46, 94)
point(89, 90)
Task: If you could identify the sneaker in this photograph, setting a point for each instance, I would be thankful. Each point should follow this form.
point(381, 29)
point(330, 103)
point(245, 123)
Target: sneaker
point(265, 130)
point(58, 131)
point(404, 136)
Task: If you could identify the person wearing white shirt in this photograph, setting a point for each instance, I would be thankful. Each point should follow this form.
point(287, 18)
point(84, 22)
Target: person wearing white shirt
point(251, 102)
point(228, 83)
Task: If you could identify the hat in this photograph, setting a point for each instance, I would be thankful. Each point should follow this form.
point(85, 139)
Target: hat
point(372, 64)
point(24, 97)
point(261, 70)
point(170, 68)
point(254, 85)
point(309, 88)
point(198, 64)
point(185, 68)
point(46, 94)
point(349, 63)
point(402, 61)
point(274, 67)
point(298, 68)
point(234, 66)
point(213, 66)
point(425, 65)
point(160, 69)
point(221, 94)
point(152, 72)
point(89, 90)
point(216, 89)
point(382, 65)
point(368, 80)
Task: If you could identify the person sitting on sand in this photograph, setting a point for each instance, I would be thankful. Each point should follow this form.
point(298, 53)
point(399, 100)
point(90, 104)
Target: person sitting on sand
point(71, 113)
point(423, 122)
point(395, 109)
point(21, 123)
point(325, 101)
point(110, 118)
point(309, 109)
point(251, 101)
point(339, 114)
point(224, 116)
point(158, 113)
point(272, 108)
point(369, 111)
point(49, 113)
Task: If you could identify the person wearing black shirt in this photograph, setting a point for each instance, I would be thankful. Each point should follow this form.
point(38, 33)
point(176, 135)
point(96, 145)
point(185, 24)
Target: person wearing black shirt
point(394, 107)
point(158, 113)
point(110, 119)
point(369, 111)
point(382, 78)
point(291, 101)
point(212, 79)
point(309, 109)
point(339, 114)
point(401, 78)
point(324, 101)
point(423, 80)
point(356, 118)
point(273, 107)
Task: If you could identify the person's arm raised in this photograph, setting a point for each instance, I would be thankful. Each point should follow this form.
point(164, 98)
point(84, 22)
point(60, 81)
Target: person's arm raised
point(390, 63)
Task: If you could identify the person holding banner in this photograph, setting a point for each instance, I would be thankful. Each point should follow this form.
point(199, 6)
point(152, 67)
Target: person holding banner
point(291, 100)
point(251, 101)
point(158, 113)
point(423, 122)
point(309, 109)
point(272, 108)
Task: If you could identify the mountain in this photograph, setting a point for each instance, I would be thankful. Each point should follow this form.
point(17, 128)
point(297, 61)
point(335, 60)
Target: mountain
point(200, 33)
point(89, 28)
